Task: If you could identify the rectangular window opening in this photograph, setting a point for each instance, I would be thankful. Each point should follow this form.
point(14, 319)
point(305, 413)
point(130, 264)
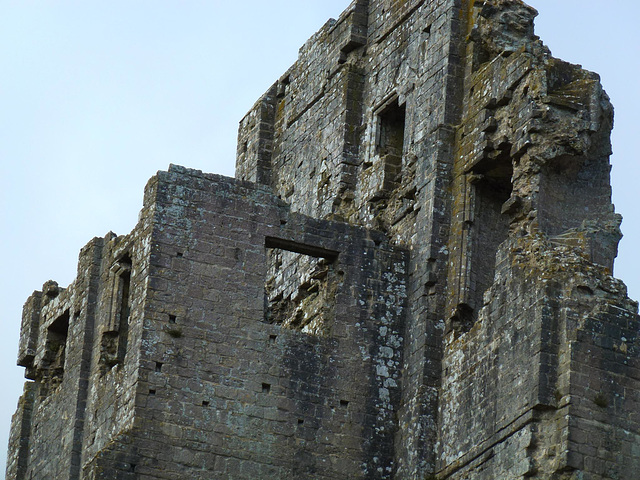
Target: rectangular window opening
point(488, 227)
point(300, 286)
point(390, 142)
point(55, 350)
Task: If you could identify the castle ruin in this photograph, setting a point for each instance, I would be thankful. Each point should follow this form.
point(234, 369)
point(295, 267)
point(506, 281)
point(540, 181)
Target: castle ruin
point(410, 278)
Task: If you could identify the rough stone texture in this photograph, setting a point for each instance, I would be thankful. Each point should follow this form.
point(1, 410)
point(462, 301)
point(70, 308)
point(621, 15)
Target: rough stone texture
point(409, 279)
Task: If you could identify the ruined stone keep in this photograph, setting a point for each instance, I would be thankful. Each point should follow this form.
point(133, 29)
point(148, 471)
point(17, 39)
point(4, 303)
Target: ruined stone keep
point(410, 278)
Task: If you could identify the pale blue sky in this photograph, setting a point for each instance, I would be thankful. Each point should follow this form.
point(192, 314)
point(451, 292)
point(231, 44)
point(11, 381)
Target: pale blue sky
point(95, 97)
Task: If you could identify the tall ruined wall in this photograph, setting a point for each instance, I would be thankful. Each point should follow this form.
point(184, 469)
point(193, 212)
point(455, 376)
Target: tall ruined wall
point(185, 373)
point(449, 126)
point(80, 349)
point(361, 129)
point(410, 279)
point(529, 334)
point(231, 392)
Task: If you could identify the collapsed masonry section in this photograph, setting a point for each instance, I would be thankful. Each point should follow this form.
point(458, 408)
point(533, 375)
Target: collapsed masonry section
point(534, 236)
point(532, 155)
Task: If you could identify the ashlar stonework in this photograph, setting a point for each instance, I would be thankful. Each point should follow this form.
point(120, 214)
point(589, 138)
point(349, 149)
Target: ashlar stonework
point(410, 278)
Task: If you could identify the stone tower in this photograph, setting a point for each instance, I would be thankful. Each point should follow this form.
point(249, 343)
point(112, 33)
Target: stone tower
point(410, 278)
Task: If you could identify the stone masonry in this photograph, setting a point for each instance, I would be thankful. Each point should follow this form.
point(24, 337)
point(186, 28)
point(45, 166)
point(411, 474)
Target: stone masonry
point(410, 278)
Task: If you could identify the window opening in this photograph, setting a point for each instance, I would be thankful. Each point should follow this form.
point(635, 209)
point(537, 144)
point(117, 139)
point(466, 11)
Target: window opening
point(55, 350)
point(424, 47)
point(300, 286)
point(390, 142)
point(116, 334)
point(488, 227)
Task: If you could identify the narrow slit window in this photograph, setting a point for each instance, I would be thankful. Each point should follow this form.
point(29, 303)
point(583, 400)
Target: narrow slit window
point(390, 141)
point(116, 333)
point(124, 310)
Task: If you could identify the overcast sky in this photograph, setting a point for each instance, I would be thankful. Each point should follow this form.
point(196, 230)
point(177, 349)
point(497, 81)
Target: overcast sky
point(95, 97)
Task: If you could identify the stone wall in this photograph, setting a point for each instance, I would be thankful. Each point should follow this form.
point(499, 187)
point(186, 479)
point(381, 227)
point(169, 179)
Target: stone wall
point(409, 279)
point(80, 348)
point(205, 384)
point(329, 157)
point(526, 390)
point(235, 395)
